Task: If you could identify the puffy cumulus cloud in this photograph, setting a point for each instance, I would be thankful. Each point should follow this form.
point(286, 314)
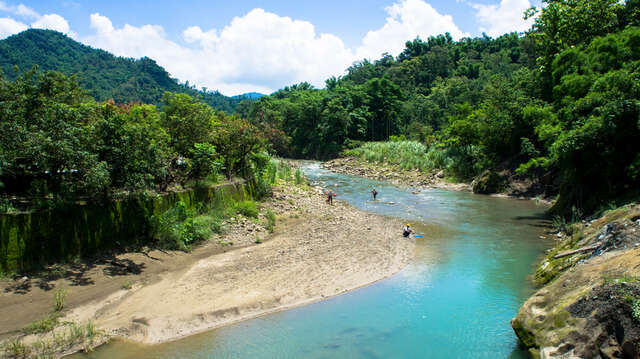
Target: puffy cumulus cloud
point(52, 22)
point(260, 51)
point(195, 34)
point(270, 50)
point(10, 26)
point(496, 20)
point(407, 20)
point(148, 40)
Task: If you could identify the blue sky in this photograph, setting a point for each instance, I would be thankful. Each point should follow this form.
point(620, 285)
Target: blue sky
point(241, 46)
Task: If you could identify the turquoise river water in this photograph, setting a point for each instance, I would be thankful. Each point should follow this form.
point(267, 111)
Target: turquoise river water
point(455, 300)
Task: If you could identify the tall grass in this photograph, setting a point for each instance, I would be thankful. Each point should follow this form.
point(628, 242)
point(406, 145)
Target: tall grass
point(408, 155)
point(279, 170)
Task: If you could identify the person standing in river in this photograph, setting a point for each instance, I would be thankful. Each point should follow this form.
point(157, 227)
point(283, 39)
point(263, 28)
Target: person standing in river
point(330, 195)
point(374, 193)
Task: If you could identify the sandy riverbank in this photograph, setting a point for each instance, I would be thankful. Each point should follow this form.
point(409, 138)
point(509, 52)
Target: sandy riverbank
point(316, 251)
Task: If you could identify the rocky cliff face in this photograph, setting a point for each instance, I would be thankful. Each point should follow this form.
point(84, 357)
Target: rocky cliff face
point(590, 304)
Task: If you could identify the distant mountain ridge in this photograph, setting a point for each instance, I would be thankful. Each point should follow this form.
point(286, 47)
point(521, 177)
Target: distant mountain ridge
point(249, 96)
point(104, 75)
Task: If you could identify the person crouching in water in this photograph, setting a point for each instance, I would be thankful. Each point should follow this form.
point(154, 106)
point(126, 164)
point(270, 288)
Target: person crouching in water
point(406, 231)
point(374, 193)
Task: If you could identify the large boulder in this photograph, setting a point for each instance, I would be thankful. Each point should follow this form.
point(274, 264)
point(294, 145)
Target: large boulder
point(590, 305)
point(488, 182)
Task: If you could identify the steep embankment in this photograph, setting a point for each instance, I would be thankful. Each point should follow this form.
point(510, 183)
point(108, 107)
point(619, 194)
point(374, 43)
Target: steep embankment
point(590, 304)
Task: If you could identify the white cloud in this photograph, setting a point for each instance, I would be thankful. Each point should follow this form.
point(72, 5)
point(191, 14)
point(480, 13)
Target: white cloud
point(51, 22)
point(496, 20)
point(195, 34)
point(10, 26)
point(20, 10)
point(407, 20)
point(26, 11)
point(260, 51)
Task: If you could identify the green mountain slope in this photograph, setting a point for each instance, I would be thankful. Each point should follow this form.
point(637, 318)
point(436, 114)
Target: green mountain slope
point(104, 75)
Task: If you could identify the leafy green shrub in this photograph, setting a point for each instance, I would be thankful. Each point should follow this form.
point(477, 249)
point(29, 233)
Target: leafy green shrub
point(206, 161)
point(247, 208)
point(178, 227)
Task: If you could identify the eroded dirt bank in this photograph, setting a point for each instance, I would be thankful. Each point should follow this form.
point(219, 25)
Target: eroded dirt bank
point(316, 251)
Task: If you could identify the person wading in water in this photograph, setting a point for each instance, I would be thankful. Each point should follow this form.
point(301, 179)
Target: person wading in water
point(330, 195)
point(374, 193)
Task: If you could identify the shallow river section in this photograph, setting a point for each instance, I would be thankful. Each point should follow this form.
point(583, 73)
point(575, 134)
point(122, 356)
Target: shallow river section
point(455, 300)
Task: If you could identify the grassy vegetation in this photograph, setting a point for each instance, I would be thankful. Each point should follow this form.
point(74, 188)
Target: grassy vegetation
point(271, 220)
point(407, 155)
point(127, 284)
point(58, 340)
point(247, 208)
point(43, 325)
point(180, 227)
point(60, 298)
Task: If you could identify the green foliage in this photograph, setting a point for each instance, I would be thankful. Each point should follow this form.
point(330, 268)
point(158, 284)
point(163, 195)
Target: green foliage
point(636, 309)
point(187, 121)
point(174, 228)
point(43, 325)
point(206, 161)
point(299, 177)
point(180, 227)
point(127, 284)
point(247, 208)
point(58, 145)
point(60, 297)
point(271, 220)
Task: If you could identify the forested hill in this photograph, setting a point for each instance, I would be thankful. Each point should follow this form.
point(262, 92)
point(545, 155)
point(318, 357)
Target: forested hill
point(104, 75)
point(560, 104)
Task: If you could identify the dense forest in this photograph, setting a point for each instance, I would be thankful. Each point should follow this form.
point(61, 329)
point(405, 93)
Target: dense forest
point(104, 75)
point(57, 144)
point(562, 101)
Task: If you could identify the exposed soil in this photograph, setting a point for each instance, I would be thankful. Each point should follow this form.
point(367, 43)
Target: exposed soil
point(610, 325)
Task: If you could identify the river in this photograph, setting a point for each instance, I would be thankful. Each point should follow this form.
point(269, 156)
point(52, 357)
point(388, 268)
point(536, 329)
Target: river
point(455, 300)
